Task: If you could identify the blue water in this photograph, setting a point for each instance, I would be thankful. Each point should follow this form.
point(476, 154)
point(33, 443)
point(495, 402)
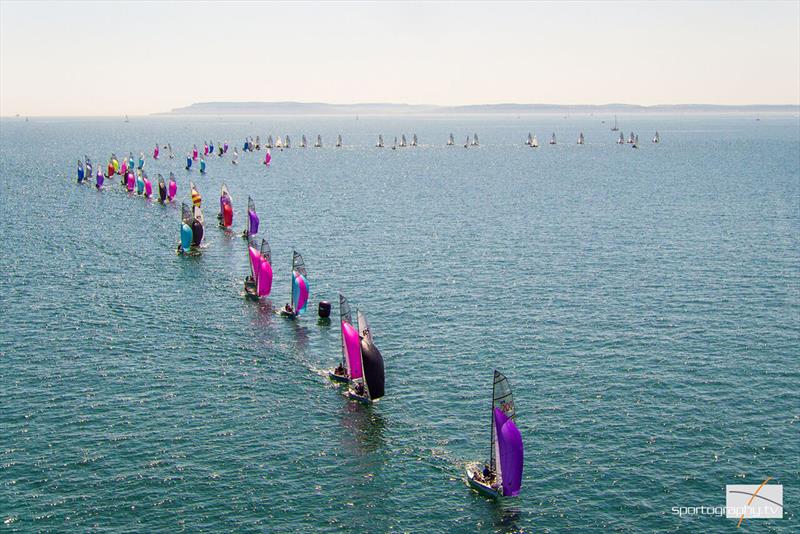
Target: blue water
point(645, 305)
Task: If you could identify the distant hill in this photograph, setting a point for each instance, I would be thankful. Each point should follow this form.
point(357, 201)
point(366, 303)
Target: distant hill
point(320, 108)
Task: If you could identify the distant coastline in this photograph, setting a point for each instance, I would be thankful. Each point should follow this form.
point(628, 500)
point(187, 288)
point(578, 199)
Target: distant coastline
point(320, 108)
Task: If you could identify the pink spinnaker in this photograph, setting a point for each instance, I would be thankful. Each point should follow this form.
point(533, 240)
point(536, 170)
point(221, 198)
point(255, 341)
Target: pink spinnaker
point(352, 346)
point(264, 279)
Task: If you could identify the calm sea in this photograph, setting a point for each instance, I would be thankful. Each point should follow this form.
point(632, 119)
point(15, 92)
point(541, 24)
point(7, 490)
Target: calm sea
point(644, 304)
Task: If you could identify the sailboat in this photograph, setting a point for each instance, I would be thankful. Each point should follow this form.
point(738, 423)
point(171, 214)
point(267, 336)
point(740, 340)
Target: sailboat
point(350, 366)
point(403, 141)
point(414, 140)
point(534, 142)
point(303, 142)
point(451, 141)
point(287, 143)
point(225, 214)
point(371, 387)
point(195, 194)
point(259, 283)
point(171, 153)
point(235, 159)
point(172, 188)
point(191, 228)
point(656, 138)
point(300, 288)
point(635, 142)
point(269, 144)
point(615, 128)
point(529, 141)
point(580, 139)
point(394, 144)
point(502, 476)
point(252, 219)
point(162, 190)
point(278, 142)
point(553, 139)
point(379, 144)
point(267, 157)
point(339, 141)
point(466, 143)
point(318, 143)
point(202, 164)
point(475, 141)
point(126, 119)
point(81, 171)
point(621, 140)
point(630, 139)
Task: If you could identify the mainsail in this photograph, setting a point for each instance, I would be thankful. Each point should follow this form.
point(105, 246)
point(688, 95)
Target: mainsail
point(318, 144)
point(414, 140)
point(475, 140)
point(380, 141)
point(288, 142)
point(503, 400)
point(450, 140)
point(529, 142)
point(403, 140)
point(339, 140)
point(303, 141)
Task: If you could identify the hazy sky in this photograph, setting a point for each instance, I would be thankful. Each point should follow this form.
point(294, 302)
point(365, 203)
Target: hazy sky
point(111, 58)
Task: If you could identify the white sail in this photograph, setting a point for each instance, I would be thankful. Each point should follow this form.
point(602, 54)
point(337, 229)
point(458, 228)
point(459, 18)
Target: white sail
point(466, 143)
point(339, 140)
point(621, 140)
point(319, 141)
point(414, 140)
point(403, 140)
point(475, 141)
point(450, 140)
point(553, 139)
point(529, 141)
point(278, 142)
point(535, 142)
point(380, 141)
point(303, 142)
point(287, 143)
point(656, 138)
point(580, 139)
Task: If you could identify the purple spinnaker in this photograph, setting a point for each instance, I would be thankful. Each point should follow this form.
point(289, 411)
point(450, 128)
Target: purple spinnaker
point(253, 222)
point(509, 443)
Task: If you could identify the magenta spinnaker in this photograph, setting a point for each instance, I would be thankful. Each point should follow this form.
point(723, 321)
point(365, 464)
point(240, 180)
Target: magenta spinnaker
point(509, 444)
point(173, 189)
point(255, 262)
point(148, 188)
point(264, 279)
point(352, 345)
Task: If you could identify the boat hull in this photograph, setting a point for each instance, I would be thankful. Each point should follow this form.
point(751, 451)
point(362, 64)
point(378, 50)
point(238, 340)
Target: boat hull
point(338, 378)
point(480, 487)
point(354, 396)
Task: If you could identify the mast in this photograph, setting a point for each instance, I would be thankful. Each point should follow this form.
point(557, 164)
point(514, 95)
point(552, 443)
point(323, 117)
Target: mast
point(344, 315)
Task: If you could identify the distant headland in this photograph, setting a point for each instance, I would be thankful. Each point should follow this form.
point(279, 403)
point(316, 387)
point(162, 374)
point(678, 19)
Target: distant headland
point(320, 108)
